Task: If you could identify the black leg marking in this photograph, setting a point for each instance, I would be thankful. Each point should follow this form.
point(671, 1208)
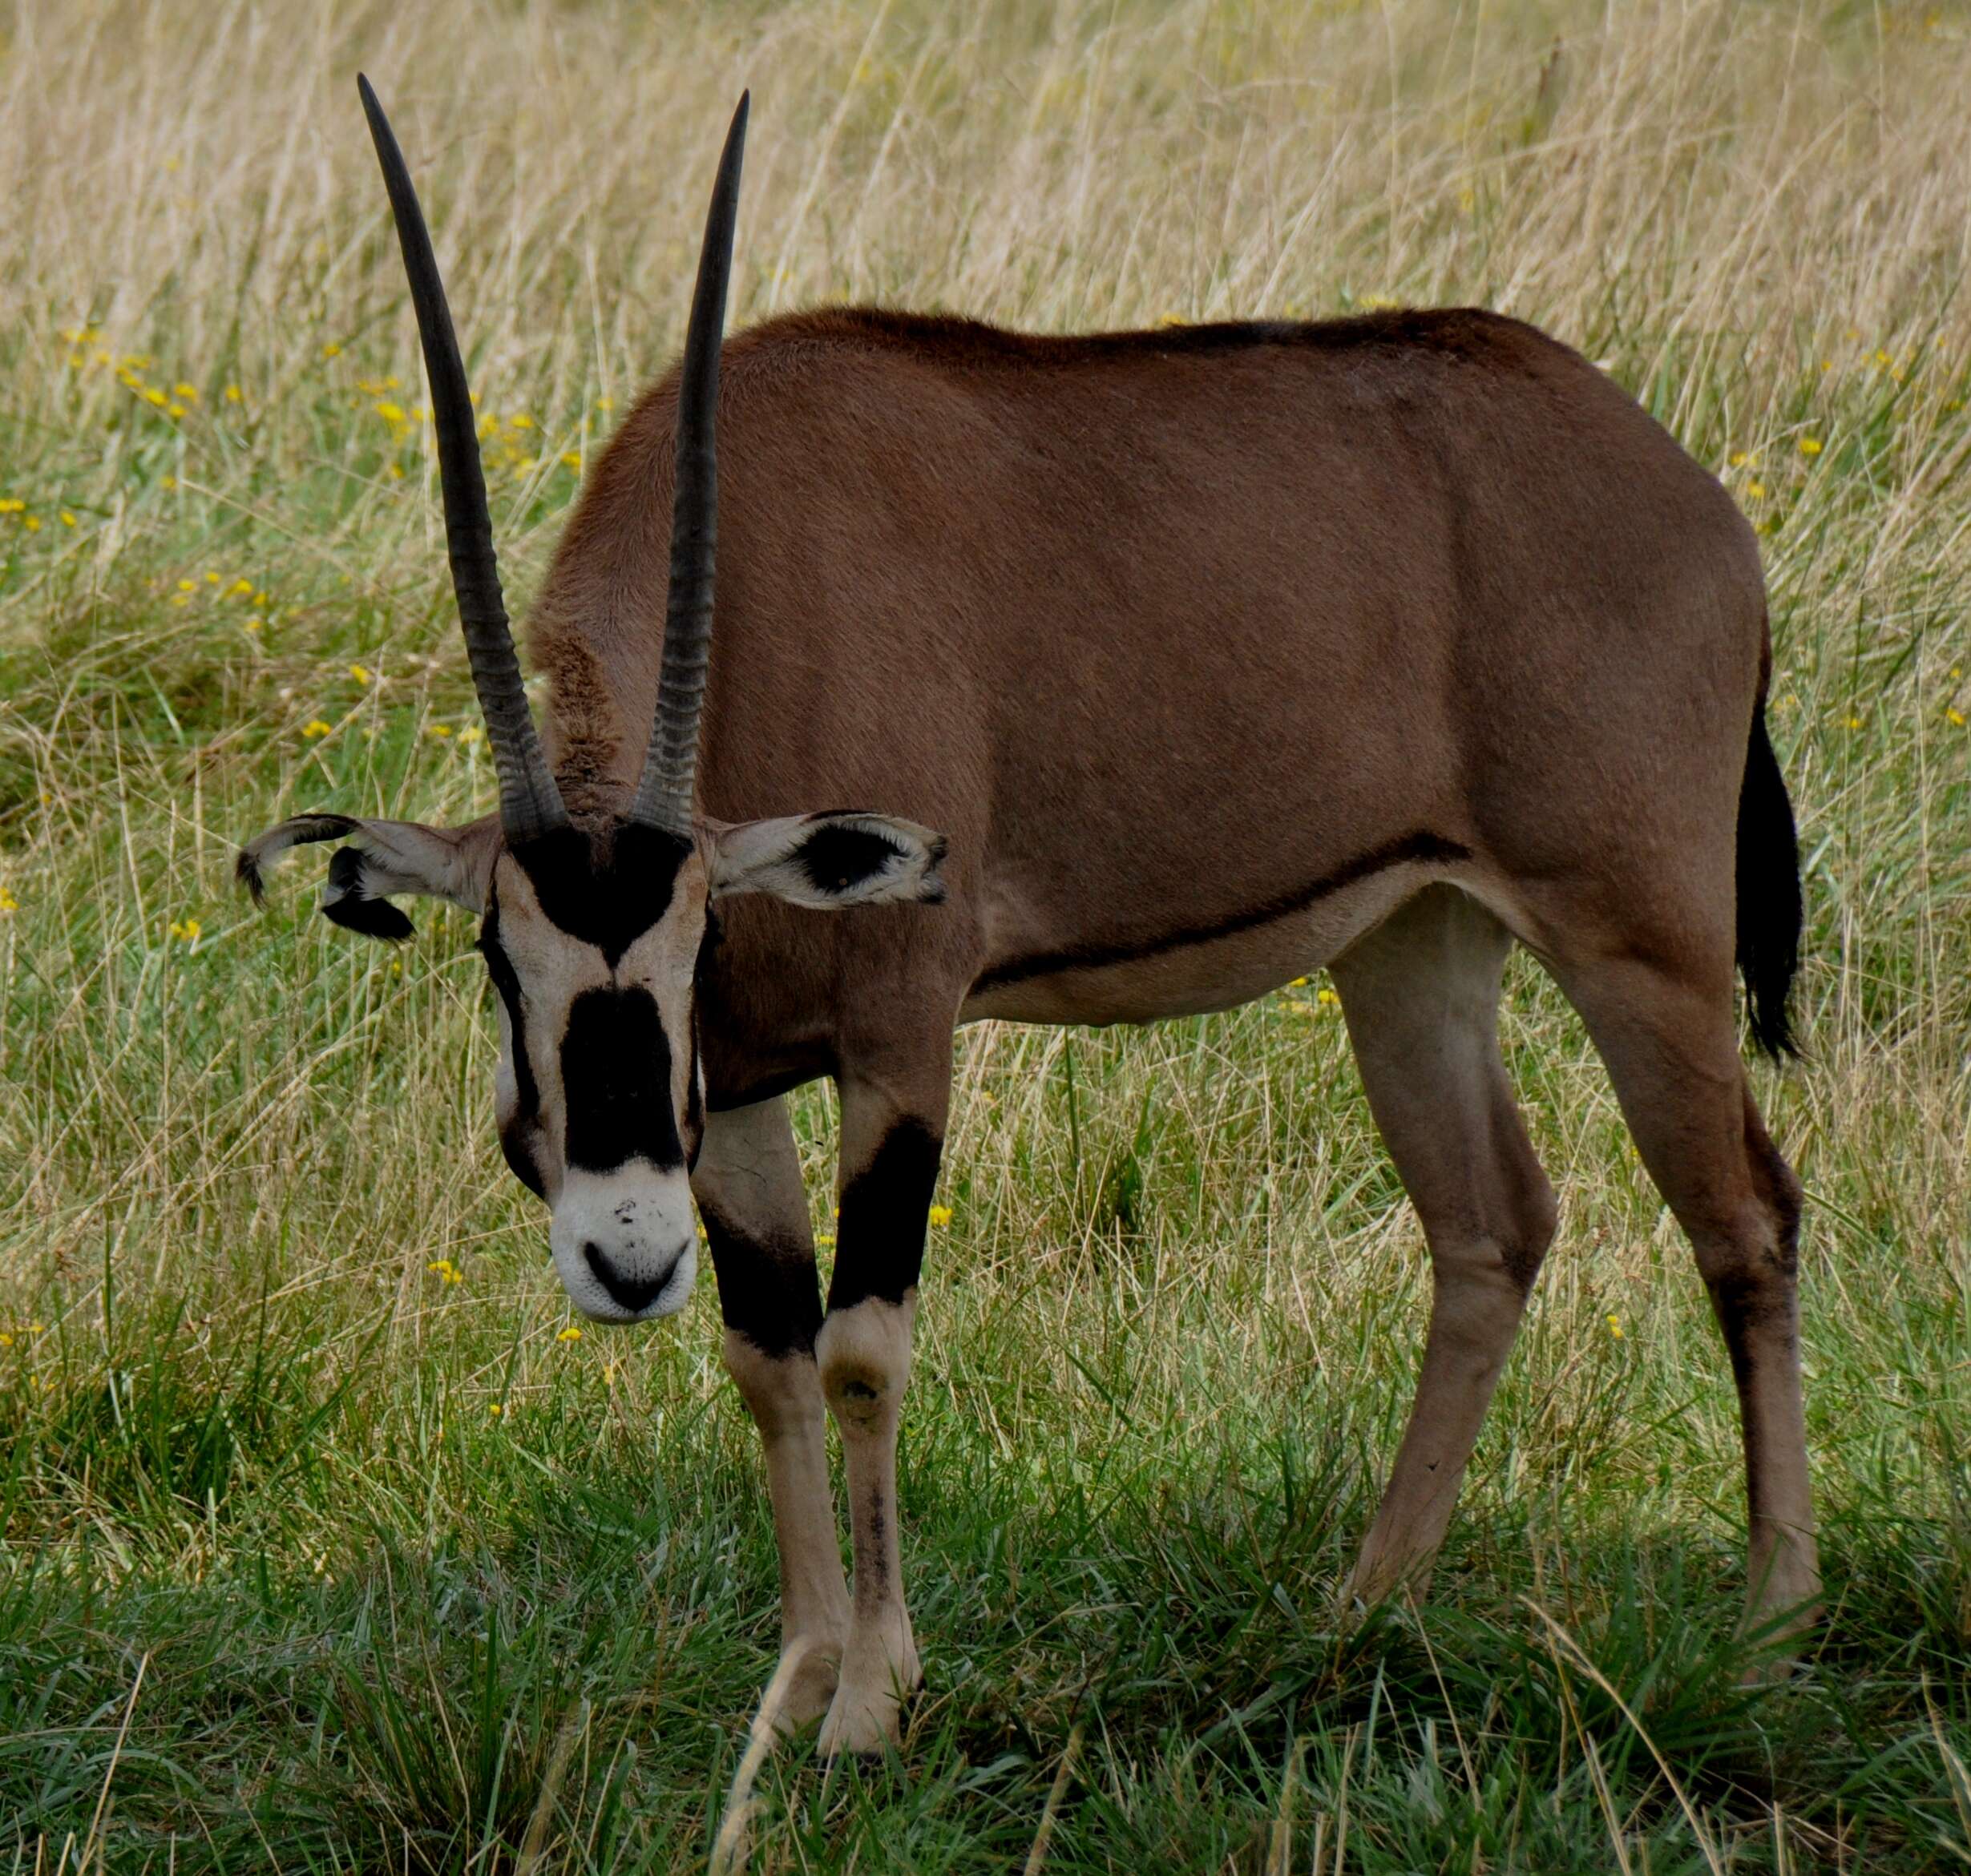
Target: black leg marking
point(884, 1210)
point(767, 1290)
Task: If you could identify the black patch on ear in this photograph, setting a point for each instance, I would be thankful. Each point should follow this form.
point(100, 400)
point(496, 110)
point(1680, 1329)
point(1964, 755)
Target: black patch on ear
point(836, 857)
point(353, 908)
point(615, 1081)
point(606, 892)
point(884, 1210)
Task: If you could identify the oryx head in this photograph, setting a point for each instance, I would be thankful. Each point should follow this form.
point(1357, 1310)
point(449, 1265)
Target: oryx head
point(592, 932)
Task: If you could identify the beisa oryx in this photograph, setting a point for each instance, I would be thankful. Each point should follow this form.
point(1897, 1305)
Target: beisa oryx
point(1213, 655)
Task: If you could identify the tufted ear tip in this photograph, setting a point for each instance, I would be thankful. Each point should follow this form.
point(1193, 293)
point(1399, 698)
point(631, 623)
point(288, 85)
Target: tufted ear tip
point(246, 872)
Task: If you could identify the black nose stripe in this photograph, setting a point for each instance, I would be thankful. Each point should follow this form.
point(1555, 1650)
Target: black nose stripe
point(625, 1291)
point(615, 1077)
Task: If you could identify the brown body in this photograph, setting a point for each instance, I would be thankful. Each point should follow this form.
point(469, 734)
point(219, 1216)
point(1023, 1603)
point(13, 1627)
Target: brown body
point(1218, 655)
point(1156, 669)
point(1167, 632)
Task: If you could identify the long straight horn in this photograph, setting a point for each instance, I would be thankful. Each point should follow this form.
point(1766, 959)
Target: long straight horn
point(530, 803)
point(664, 795)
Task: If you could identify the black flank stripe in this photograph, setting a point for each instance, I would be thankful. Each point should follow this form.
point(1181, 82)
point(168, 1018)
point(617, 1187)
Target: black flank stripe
point(1429, 848)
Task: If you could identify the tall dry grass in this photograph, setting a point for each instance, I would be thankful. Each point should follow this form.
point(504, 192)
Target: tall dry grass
point(1168, 1332)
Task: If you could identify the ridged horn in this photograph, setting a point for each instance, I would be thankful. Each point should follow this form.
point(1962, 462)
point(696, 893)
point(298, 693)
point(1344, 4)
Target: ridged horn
point(664, 795)
point(530, 803)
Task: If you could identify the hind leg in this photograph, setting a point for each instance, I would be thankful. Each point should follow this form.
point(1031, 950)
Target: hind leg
point(1421, 995)
point(1668, 1038)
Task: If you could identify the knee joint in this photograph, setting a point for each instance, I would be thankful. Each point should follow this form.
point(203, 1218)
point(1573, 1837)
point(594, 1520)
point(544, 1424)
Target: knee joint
point(864, 1356)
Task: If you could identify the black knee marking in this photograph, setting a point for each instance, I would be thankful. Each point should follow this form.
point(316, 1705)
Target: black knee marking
point(884, 1210)
point(767, 1290)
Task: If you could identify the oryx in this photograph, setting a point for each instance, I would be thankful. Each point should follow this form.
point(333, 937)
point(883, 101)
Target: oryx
point(1213, 655)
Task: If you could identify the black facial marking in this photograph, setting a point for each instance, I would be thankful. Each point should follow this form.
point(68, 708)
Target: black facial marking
point(768, 1291)
point(836, 857)
point(516, 1136)
point(615, 1077)
point(884, 1210)
point(1427, 848)
point(352, 909)
point(499, 967)
point(606, 892)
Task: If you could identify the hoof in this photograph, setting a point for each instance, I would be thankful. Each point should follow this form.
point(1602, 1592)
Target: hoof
point(865, 1719)
point(809, 1693)
point(861, 1729)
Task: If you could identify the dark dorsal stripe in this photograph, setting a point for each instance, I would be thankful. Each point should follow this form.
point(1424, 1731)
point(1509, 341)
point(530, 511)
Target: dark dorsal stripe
point(1427, 848)
point(615, 1077)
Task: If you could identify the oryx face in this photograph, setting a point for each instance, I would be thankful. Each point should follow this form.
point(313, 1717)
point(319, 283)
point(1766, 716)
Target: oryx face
point(593, 945)
point(592, 935)
point(593, 939)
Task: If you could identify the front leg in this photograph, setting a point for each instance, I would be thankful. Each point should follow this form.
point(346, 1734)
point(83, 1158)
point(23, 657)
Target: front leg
point(890, 1151)
point(748, 1185)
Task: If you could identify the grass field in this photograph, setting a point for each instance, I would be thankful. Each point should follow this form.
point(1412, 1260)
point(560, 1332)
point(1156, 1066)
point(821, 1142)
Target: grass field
point(327, 1544)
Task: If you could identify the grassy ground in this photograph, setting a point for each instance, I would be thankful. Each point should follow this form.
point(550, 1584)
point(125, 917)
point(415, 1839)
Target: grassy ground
point(326, 1545)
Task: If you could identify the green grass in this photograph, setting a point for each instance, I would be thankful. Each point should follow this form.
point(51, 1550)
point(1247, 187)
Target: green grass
point(312, 1560)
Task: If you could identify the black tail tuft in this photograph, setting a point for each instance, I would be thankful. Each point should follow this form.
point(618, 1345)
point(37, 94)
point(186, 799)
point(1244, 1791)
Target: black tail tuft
point(1770, 912)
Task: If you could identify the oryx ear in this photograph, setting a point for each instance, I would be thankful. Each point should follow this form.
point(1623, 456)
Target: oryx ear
point(382, 857)
point(827, 861)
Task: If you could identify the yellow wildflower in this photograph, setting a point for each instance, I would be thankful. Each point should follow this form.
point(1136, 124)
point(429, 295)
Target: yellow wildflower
point(332, 350)
point(570, 1333)
point(253, 624)
point(940, 1216)
point(1615, 1327)
point(360, 672)
point(1809, 446)
point(572, 458)
point(495, 1409)
point(439, 729)
point(188, 393)
point(391, 413)
point(825, 1239)
point(188, 586)
point(8, 902)
point(520, 420)
point(1954, 717)
point(212, 579)
point(32, 522)
point(316, 727)
point(1299, 983)
point(472, 733)
point(1854, 722)
point(1739, 458)
point(185, 931)
point(68, 520)
point(234, 394)
point(1756, 490)
point(1328, 999)
point(155, 396)
point(11, 505)
point(241, 589)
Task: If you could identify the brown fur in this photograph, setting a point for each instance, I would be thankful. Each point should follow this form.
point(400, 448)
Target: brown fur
point(1160, 627)
point(1214, 654)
